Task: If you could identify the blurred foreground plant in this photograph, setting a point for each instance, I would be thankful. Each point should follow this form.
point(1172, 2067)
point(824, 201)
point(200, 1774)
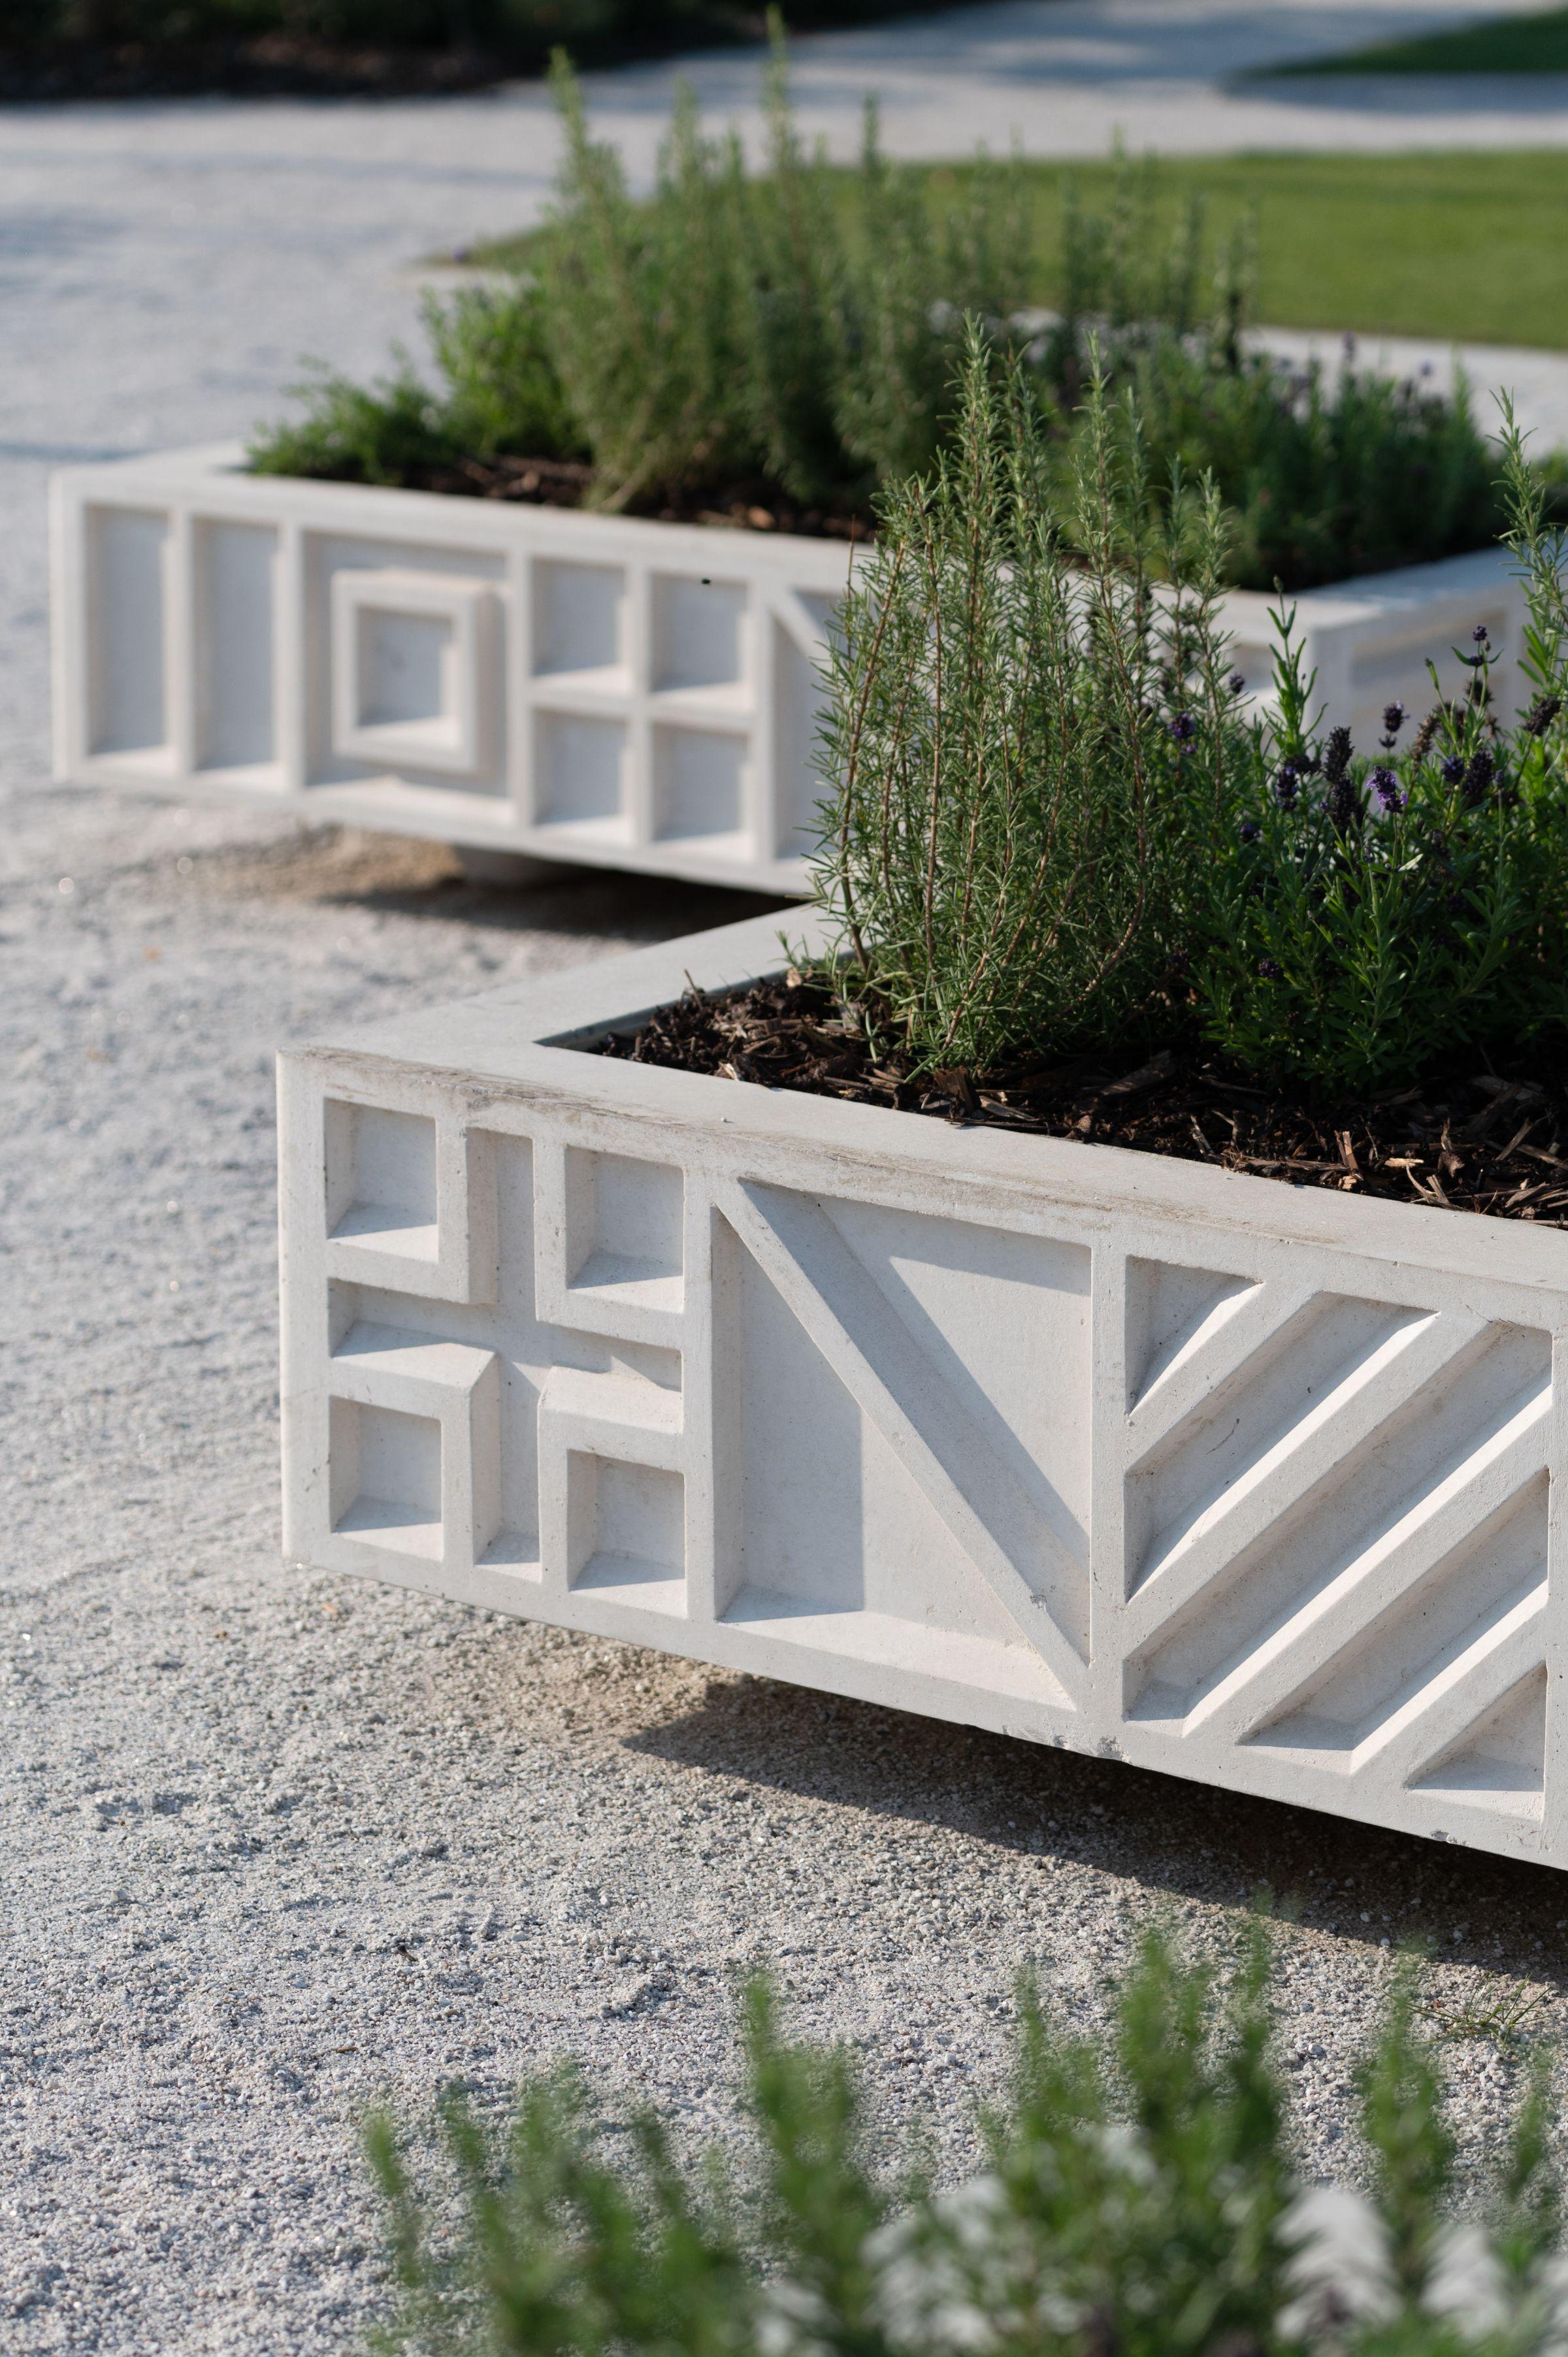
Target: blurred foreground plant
point(1139, 2198)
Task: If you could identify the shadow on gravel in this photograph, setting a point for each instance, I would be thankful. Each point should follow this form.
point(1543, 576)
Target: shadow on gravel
point(397, 875)
point(1188, 1840)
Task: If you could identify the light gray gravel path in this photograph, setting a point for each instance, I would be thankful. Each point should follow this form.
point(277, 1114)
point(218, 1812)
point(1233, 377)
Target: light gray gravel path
point(272, 1846)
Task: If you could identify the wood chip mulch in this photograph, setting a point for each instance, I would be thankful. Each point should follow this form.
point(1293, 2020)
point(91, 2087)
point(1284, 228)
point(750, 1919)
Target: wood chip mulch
point(1467, 1138)
point(564, 483)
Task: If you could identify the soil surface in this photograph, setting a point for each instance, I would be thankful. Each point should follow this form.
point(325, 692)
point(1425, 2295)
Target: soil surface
point(271, 65)
point(564, 483)
point(1467, 1138)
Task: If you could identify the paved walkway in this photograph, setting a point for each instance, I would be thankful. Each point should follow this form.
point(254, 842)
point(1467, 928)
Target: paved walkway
point(1066, 76)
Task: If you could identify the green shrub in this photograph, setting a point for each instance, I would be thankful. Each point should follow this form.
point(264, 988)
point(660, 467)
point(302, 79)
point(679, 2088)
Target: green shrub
point(1138, 2199)
point(641, 309)
point(1026, 759)
point(1321, 477)
point(1048, 829)
point(524, 26)
point(729, 332)
point(799, 332)
point(1364, 918)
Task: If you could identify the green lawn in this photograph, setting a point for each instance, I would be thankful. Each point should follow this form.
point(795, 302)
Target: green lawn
point(1472, 246)
point(1527, 44)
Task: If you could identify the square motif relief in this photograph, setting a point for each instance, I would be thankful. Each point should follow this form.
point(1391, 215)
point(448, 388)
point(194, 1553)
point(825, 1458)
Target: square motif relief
point(504, 1401)
point(414, 675)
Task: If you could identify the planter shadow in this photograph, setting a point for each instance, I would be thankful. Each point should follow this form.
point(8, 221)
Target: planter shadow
point(1177, 1840)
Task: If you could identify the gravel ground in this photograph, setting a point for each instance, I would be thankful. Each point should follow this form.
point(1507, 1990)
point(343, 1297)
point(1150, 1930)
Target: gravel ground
point(273, 1845)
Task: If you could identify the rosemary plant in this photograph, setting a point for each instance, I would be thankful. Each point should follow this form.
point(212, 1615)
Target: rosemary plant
point(796, 334)
point(1139, 2198)
point(1028, 756)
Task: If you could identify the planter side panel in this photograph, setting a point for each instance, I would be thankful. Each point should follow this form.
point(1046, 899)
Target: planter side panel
point(561, 686)
point(1370, 641)
point(1239, 1509)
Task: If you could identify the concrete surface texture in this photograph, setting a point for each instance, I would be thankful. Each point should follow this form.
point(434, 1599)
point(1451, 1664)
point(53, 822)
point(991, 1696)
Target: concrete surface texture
point(272, 1845)
point(1105, 1450)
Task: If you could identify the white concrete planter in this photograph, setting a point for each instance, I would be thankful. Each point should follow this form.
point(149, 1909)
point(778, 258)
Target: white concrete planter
point(1249, 1483)
point(527, 679)
point(515, 679)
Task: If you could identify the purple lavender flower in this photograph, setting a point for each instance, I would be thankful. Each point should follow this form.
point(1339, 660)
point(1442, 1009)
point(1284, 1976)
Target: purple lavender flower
point(1394, 717)
point(1251, 829)
point(1480, 634)
point(1237, 682)
point(1453, 768)
point(1344, 806)
point(1286, 785)
point(1336, 760)
point(1270, 969)
point(1386, 786)
point(1184, 727)
point(1479, 777)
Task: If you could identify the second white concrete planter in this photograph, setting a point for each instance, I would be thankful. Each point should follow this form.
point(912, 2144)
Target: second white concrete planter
point(1253, 1484)
point(531, 681)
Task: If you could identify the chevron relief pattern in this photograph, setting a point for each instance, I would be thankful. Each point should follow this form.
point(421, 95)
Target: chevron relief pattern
point(1335, 1518)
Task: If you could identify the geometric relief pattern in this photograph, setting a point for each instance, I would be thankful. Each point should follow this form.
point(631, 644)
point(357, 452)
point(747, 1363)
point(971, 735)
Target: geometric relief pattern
point(1230, 1523)
point(595, 688)
point(911, 1395)
point(530, 1329)
point(523, 1368)
point(583, 688)
point(1336, 1521)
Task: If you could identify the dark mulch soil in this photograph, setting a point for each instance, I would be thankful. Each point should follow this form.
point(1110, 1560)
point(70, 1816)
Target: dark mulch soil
point(270, 65)
point(1467, 1139)
point(563, 483)
point(301, 65)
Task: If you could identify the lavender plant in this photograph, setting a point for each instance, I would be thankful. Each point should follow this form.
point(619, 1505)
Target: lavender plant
point(1322, 476)
point(1365, 916)
point(1025, 754)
